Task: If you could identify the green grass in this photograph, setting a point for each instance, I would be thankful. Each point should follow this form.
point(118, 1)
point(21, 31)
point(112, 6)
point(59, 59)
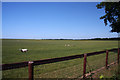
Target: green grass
point(112, 73)
point(43, 49)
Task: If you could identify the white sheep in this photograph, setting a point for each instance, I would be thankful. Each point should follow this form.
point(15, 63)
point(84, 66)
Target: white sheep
point(67, 44)
point(23, 50)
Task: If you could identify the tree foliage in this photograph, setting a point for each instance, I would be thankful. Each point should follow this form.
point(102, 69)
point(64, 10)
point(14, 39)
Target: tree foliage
point(112, 10)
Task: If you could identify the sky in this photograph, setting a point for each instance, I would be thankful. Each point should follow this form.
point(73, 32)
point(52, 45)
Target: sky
point(53, 20)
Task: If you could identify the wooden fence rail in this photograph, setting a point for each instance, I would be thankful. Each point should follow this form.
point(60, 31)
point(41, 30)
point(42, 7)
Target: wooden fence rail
point(47, 61)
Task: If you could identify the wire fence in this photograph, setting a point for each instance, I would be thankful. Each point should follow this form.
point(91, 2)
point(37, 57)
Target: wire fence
point(66, 69)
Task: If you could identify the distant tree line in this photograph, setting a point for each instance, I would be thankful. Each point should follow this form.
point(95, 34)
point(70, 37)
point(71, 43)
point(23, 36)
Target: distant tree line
point(106, 39)
point(57, 39)
point(116, 38)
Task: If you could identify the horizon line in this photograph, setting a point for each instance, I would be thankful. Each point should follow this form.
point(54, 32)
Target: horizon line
point(60, 38)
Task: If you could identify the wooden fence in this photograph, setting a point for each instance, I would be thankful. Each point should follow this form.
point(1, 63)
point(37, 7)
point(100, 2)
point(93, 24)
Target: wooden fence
point(31, 64)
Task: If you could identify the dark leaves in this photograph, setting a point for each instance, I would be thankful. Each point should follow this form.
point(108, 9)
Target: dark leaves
point(112, 10)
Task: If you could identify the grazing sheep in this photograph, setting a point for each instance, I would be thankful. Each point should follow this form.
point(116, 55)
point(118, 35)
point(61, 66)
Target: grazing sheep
point(24, 50)
point(67, 44)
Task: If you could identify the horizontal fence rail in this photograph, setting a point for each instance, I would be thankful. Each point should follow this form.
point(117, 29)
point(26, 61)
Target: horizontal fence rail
point(47, 61)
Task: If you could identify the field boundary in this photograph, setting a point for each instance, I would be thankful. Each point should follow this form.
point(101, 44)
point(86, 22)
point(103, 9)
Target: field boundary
point(31, 64)
point(47, 61)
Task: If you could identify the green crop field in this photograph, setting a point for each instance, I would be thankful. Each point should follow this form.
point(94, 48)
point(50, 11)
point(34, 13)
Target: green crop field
point(43, 49)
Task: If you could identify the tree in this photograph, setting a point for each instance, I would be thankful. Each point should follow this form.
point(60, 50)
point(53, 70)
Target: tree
point(112, 10)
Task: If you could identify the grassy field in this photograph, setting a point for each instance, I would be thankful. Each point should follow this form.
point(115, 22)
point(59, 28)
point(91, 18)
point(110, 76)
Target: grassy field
point(113, 72)
point(43, 49)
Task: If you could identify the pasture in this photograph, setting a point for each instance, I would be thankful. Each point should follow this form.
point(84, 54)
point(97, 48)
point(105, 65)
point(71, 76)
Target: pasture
point(43, 49)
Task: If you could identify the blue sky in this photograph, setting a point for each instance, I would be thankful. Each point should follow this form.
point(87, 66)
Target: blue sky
point(53, 20)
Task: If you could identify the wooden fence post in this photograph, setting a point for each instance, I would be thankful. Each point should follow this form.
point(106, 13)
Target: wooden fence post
point(84, 66)
point(106, 59)
point(30, 70)
point(118, 56)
